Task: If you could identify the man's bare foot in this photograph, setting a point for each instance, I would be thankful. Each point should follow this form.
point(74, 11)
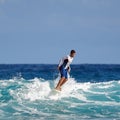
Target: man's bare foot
point(59, 89)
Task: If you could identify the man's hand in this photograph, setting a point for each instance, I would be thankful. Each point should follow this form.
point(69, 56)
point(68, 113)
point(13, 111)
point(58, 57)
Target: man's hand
point(69, 69)
point(58, 68)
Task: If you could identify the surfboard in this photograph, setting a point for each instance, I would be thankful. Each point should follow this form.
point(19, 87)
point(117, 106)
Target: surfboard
point(54, 92)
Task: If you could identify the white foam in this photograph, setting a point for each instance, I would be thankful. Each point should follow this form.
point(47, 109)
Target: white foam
point(106, 86)
point(119, 81)
point(72, 89)
point(31, 96)
point(107, 103)
point(39, 89)
point(35, 90)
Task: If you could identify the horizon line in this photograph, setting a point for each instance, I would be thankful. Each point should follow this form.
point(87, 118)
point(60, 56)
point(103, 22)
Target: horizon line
point(57, 63)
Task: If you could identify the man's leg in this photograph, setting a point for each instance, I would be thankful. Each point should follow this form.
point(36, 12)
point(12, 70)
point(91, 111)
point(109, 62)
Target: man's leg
point(66, 77)
point(59, 83)
point(63, 82)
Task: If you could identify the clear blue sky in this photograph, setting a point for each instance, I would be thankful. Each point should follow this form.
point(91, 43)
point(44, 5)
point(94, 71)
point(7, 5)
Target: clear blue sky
point(42, 31)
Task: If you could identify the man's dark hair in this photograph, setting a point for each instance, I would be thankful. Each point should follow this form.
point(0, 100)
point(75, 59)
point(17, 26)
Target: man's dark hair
point(73, 51)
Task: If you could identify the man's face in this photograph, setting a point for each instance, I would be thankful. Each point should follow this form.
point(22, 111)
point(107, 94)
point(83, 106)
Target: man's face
point(72, 55)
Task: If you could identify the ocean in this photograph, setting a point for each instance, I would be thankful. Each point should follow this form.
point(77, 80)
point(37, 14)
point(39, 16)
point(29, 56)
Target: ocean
point(91, 93)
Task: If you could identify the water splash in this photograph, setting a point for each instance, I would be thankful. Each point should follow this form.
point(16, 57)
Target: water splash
point(31, 99)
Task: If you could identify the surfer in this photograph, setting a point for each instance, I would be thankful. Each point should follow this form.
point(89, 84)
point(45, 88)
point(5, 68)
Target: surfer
point(64, 69)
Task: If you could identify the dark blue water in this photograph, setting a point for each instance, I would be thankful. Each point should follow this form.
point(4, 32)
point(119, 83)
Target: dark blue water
point(92, 92)
point(82, 73)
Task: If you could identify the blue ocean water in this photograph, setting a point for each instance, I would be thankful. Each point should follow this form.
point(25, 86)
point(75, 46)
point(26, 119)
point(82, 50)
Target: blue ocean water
point(91, 93)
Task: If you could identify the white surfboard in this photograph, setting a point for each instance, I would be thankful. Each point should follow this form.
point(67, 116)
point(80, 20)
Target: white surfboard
point(54, 94)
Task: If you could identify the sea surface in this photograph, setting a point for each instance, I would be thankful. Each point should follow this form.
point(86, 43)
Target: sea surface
point(92, 92)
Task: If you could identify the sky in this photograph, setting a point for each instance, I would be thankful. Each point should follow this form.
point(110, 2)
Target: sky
point(43, 31)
